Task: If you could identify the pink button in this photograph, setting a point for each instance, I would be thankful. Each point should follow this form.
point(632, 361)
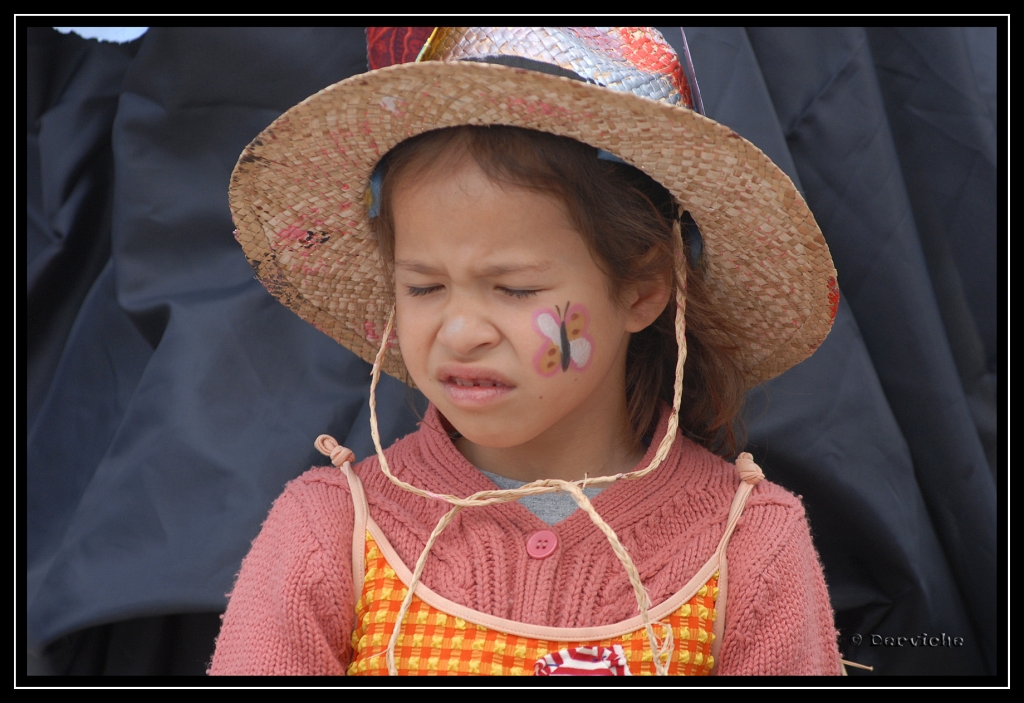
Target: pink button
point(541, 544)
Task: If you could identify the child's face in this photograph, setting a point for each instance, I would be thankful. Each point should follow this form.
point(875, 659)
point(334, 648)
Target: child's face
point(483, 277)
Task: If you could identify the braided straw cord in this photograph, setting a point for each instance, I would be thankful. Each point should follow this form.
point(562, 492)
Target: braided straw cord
point(662, 650)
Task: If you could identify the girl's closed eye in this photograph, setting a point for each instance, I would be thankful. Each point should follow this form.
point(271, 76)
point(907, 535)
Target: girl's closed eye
point(519, 293)
point(417, 291)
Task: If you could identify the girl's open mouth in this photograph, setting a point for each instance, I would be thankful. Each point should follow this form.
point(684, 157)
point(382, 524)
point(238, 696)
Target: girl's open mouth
point(474, 386)
point(466, 382)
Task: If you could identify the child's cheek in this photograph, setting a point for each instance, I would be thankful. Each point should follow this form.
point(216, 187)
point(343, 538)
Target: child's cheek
point(564, 339)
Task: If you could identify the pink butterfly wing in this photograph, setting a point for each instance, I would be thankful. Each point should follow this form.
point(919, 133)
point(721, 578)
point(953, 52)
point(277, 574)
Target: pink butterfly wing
point(548, 359)
point(581, 344)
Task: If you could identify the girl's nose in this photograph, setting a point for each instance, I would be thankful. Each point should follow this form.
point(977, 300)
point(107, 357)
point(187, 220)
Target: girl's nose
point(465, 333)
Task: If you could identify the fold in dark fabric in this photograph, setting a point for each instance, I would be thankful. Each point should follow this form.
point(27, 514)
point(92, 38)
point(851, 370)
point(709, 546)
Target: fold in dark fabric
point(170, 397)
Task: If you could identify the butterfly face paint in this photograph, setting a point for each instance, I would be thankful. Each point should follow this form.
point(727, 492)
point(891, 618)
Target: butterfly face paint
point(567, 342)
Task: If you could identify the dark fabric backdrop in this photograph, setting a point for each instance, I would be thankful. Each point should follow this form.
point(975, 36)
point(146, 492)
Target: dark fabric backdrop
point(169, 398)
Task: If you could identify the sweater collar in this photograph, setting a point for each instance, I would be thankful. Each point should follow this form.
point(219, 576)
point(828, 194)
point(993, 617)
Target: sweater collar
point(446, 470)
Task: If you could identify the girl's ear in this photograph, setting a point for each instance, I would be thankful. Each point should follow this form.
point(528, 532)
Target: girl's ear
point(645, 302)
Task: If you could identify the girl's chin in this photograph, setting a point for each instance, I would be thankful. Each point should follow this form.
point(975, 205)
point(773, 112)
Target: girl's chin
point(492, 431)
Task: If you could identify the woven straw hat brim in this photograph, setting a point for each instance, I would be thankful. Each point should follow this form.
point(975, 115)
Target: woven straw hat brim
point(298, 198)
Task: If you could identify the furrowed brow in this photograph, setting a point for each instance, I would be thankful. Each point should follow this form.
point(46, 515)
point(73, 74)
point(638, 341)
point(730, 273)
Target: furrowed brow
point(496, 270)
point(492, 271)
point(417, 267)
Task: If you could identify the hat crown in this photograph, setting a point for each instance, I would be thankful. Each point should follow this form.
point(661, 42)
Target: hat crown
point(634, 60)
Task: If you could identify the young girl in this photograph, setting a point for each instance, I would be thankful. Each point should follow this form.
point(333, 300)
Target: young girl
point(516, 241)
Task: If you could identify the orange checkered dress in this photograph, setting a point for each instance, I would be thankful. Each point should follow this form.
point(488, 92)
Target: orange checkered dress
point(434, 643)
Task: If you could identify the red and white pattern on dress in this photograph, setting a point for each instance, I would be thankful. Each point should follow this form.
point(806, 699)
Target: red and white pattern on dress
point(584, 661)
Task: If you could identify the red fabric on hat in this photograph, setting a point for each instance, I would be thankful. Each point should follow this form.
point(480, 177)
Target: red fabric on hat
point(387, 46)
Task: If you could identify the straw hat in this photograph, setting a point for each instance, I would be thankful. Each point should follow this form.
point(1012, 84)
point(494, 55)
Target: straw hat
point(300, 191)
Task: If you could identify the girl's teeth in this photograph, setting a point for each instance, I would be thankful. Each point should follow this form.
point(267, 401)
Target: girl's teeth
point(467, 382)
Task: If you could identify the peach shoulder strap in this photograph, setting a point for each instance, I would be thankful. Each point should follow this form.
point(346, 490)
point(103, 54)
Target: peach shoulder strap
point(750, 475)
point(342, 457)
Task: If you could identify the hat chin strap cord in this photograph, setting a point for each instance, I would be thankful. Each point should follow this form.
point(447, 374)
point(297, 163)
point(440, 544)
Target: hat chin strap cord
point(661, 646)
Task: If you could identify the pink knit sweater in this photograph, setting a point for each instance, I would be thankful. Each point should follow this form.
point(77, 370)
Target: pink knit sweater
point(293, 607)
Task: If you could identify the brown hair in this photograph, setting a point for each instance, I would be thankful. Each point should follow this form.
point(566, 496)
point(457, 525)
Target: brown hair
point(626, 220)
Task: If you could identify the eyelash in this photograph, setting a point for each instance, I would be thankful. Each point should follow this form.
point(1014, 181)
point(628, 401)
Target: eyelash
point(520, 294)
point(417, 292)
point(511, 292)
